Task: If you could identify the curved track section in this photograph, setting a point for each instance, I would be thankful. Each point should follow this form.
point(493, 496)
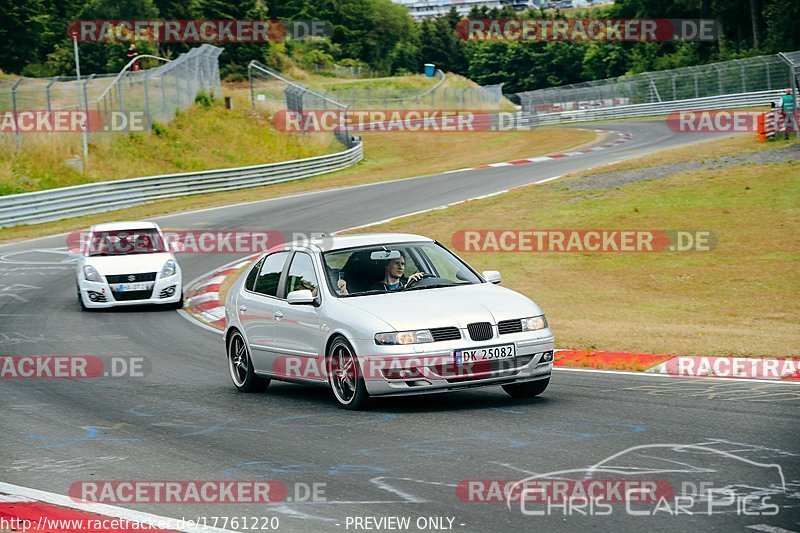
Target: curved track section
point(406, 457)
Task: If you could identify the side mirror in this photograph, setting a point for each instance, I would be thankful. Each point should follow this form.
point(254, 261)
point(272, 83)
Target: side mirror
point(175, 247)
point(301, 297)
point(492, 276)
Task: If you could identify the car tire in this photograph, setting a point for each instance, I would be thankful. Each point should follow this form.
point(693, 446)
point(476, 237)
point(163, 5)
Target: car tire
point(241, 367)
point(344, 376)
point(526, 390)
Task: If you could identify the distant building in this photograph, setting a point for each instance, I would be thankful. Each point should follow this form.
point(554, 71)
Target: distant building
point(424, 9)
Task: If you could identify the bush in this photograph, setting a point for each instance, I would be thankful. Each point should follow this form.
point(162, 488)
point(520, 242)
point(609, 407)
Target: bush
point(38, 70)
point(158, 129)
point(235, 76)
point(204, 99)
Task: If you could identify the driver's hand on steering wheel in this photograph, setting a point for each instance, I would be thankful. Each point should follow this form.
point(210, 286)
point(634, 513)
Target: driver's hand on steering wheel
point(413, 278)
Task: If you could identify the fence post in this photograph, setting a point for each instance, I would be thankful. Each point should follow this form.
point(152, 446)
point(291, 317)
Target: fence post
point(674, 92)
point(14, 110)
point(164, 99)
point(744, 83)
point(49, 105)
point(252, 92)
point(86, 105)
point(178, 98)
point(121, 104)
point(147, 103)
point(188, 85)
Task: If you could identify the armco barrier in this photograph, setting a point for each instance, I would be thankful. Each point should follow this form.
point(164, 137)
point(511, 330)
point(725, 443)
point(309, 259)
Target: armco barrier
point(57, 204)
point(726, 101)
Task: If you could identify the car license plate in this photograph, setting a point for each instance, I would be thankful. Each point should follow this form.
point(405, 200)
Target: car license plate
point(486, 353)
point(133, 287)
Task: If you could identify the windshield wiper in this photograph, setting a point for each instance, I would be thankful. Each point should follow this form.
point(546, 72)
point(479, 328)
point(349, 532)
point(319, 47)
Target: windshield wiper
point(377, 291)
point(434, 286)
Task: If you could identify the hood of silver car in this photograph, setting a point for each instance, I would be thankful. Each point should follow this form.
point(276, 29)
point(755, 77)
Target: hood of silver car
point(446, 306)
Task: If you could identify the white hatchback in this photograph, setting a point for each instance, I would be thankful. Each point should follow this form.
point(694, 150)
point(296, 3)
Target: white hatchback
point(127, 263)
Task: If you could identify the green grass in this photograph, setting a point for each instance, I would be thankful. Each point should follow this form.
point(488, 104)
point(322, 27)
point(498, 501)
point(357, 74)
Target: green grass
point(198, 139)
point(741, 298)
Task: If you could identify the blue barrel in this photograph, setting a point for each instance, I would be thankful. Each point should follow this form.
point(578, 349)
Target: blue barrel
point(430, 69)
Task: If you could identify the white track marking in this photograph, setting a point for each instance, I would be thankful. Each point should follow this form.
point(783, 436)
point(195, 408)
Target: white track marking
point(546, 180)
point(671, 376)
point(770, 529)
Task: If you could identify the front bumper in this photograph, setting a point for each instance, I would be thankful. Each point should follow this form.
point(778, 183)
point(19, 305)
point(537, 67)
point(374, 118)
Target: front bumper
point(98, 295)
point(435, 370)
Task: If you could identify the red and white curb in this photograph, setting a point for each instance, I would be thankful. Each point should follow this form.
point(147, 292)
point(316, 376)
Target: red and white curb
point(621, 138)
point(201, 296)
point(40, 511)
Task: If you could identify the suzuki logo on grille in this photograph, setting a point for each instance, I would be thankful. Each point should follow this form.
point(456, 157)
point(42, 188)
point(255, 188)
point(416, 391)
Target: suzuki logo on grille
point(131, 278)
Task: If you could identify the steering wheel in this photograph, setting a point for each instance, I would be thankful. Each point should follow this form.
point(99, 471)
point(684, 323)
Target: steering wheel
point(424, 275)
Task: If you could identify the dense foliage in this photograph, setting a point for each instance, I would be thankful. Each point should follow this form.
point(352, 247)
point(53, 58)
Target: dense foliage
point(381, 35)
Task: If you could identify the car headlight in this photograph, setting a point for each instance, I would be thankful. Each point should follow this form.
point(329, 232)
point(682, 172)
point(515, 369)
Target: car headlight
point(404, 337)
point(534, 323)
point(91, 274)
point(169, 269)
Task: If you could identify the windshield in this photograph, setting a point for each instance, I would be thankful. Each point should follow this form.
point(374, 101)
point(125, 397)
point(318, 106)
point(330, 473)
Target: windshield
point(410, 266)
point(126, 242)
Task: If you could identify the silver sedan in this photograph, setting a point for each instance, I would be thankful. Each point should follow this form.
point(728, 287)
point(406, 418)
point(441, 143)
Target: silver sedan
point(380, 315)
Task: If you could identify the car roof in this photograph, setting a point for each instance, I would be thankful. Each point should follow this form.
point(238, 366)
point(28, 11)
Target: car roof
point(122, 226)
point(339, 242)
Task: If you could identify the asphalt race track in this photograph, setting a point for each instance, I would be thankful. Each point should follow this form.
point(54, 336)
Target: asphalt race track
point(405, 457)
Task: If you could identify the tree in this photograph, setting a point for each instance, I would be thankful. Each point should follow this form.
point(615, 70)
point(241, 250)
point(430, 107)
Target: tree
point(21, 29)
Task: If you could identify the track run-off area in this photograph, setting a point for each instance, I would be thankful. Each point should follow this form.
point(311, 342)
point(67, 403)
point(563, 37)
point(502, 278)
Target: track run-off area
point(435, 460)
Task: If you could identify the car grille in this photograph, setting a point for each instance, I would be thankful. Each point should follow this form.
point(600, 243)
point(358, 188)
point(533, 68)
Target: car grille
point(126, 278)
point(480, 331)
point(445, 334)
point(509, 326)
point(132, 295)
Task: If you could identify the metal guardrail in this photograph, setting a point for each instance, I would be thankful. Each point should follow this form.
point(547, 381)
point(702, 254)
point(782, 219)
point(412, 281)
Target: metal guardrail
point(57, 204)
point(727, 101)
